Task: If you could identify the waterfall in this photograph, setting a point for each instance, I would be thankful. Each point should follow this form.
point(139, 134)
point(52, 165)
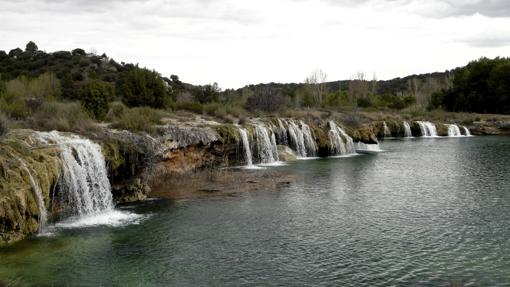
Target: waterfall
point(341, 142)
point(311, 147)
point(453, 131)
point(407, 130)
point(246, 146)
point(274, 146)
point(428, 129)
point(301, 139)
point(368, 148)
point(296, 139)
point(266, 148)
point(387, 132)
point(84, 182)
point(43, 214)
point(466, 131)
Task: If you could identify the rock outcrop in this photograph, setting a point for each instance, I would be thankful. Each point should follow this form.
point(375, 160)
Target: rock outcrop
point(135, 161)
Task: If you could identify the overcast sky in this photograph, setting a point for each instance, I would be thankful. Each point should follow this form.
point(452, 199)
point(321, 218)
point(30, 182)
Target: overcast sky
point(239, 42)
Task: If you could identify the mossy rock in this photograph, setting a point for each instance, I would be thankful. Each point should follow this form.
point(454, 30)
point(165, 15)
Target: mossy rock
point(228, 133)
point(19, 211)
point(442, 129)
point(320, 131)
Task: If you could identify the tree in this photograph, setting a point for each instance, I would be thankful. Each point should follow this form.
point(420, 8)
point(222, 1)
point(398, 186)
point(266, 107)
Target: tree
point(78, 52)
point(95, 96)
point(14, 53)
point(359, 89)
point(482, 86)
point(267, 99)
point(143, 87)
point(31, 47)
point(316, 82)
point(207, 93)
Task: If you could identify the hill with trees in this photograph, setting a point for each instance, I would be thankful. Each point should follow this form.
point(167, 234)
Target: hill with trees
point(70, 90)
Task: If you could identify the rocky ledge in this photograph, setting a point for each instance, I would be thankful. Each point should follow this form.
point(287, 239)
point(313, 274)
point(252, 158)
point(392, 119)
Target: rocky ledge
point(138, 163)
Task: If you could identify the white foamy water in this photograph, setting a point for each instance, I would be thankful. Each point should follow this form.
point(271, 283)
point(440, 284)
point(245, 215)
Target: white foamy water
point(113, 218)
point(407, 130)
point(341, 142)
point(43, 214)
point(454, 131)
point(267, 151)
point(301, 139)
point(466, 131)
point(84, 181)
point(246, 147)
point(428, 129)
point(387, 131)
point(368, 148)
point(84, 187)
point(273, 164)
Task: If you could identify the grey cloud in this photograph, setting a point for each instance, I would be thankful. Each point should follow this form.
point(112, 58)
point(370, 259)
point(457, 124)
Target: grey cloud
point(490, 8)
point(197, 10)
point(487, 41)
point(440, 8)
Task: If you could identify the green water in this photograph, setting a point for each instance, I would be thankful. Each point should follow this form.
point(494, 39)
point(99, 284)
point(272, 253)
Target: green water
point(428, 212)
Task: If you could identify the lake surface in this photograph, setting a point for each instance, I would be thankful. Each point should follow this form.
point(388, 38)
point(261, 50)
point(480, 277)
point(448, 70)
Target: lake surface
point(427, 212)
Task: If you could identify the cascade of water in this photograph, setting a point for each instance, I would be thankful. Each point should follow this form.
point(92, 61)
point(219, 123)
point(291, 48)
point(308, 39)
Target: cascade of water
point(246, 146)
point(466, 131)
point(387, 132)
point(453, 131)
point(297, 139)
point(407, 130)
point(309, 141)
point(274, 146)
point(301, 139)
point(43, 214)
point(341, 142)
point(84, 181)
point(266, 149)
point(428, 129)
point(368, 148)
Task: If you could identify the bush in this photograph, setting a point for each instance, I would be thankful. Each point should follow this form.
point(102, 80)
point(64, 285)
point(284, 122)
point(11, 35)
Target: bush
point(267, 100)
point(189, 106)
point(62, 117)
point(436, 100)
point(4, 124)
point(139, 119)
point(364, 102)
point(95, 96)
point(115, 110)
point(143, 87)
point(14, 107)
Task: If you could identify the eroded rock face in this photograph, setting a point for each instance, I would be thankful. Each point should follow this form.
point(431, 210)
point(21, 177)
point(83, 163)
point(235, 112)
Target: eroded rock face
point(490, 128)
point(20, 154)
point(135, 162)
point(285, 153)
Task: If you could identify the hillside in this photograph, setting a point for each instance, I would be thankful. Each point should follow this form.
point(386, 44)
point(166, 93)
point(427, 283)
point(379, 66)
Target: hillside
point(70, 90)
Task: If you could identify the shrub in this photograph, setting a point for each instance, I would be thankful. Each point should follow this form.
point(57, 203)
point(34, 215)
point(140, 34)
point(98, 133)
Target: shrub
point(189, 106)
point(139, 119)
point(267, 100)
point(62, 117)
point(143, 87)
point(364, 102)
point(95, 96)
point(116, 110)
point(14, 107)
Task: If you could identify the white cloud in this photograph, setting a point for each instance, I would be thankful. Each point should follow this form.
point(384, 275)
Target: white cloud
point(238, 42)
